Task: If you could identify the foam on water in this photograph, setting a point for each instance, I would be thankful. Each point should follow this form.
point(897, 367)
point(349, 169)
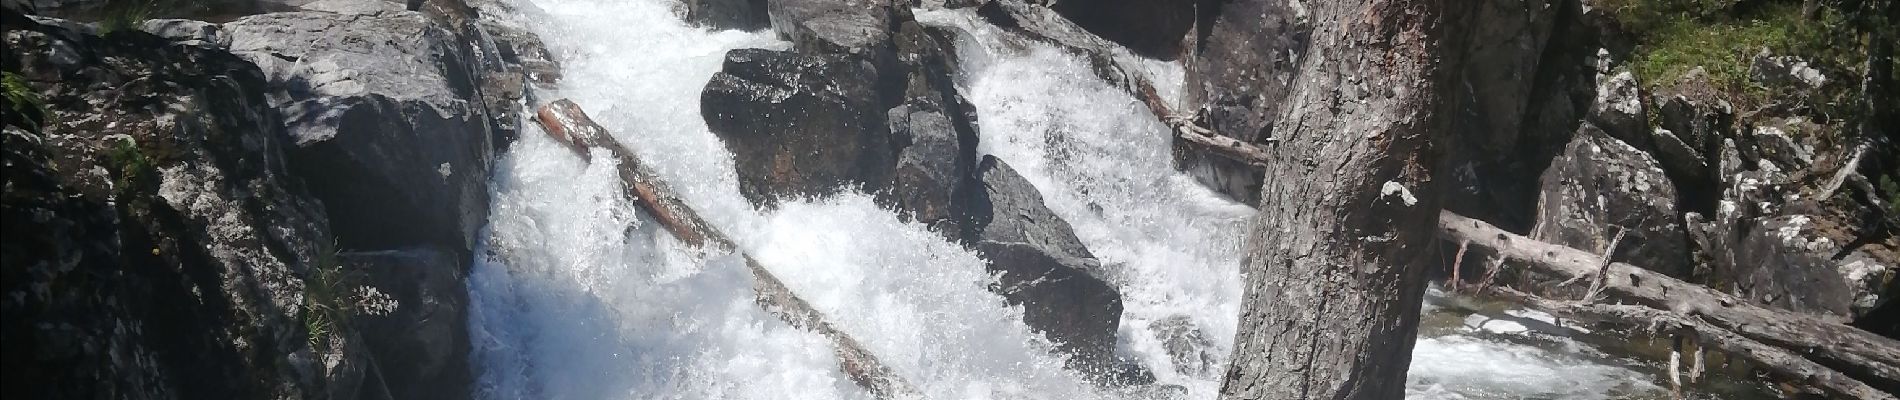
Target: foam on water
point(575, 296)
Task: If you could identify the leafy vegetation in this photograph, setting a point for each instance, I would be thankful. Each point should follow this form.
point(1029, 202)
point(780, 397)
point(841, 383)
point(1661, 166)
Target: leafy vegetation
point(324, 308)
point(23, 102)
point(130, 161)
point(127, 15)
point(1674, 37)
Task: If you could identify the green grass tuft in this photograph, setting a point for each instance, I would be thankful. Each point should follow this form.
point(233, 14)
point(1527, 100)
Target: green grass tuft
point(26, 103)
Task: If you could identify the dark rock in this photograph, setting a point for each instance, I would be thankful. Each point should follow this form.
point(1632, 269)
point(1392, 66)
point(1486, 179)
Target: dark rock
point(383, 108)
point(1043, 267)
point(421, 339)
point(157, 246)
point(1501, 58)
point(745, 15)
point(798, 125)
point(1786, 72)
point(1151, 28)
point(1238, 76)
point(1601, 186)
point(932, 165)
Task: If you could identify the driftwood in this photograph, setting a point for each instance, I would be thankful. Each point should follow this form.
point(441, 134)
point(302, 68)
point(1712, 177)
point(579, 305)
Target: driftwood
point(1801, 342)
point(1778, 362)
point(566, 123)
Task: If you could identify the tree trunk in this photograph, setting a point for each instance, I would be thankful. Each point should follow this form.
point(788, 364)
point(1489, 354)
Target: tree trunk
point(1334, 273)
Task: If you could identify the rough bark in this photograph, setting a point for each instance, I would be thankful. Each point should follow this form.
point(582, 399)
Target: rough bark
point(1857, 353)
point(1334, 274)
point(565, 122)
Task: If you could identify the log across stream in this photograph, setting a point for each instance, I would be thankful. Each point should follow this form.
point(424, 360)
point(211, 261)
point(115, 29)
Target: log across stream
point(567, 123)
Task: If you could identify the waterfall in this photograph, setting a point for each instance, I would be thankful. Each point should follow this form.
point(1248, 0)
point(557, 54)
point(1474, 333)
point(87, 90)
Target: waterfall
point(575, 296)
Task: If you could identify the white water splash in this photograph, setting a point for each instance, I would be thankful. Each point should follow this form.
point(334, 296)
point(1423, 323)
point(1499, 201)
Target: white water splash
point(575, 297)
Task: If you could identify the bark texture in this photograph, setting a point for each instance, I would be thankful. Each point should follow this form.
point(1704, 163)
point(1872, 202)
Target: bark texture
point(1334, 273)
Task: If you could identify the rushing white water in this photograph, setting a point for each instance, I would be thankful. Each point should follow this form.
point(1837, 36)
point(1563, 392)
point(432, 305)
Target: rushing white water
point(577, 297)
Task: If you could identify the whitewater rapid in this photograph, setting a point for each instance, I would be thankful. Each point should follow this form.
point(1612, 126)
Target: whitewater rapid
point(576, 296)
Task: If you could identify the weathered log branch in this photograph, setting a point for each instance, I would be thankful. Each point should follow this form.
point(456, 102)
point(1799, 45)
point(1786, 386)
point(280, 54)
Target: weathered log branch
point(1777, 361)
point(565, 122)
point(1856, 353)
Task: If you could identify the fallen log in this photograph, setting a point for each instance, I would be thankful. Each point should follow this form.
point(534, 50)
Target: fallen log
point(1778, 362)
point(1858, 354)
point(566, 123)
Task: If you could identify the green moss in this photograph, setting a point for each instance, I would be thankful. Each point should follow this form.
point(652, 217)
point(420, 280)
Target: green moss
point(1674, 37)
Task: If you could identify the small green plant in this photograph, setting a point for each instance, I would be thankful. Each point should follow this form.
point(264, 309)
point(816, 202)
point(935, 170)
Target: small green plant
point(126, 15)
point(24, 102)
point(332, 294)
point(130, 161)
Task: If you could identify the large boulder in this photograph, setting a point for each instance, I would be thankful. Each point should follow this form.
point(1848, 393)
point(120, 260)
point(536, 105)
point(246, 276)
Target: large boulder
point(1601, 187)
point(382, 107)
point(1152, 28)
point(157, 245)
point(1770, 244)
point(934, 130)
point(797, 124)
point(1043, 267)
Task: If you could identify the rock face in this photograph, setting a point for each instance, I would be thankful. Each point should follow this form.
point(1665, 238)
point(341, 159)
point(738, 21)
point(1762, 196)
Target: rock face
point(1151, 28)
point(1237, 77)
point(1042, 264)
point(422, 342)
point(157, 245)
point(390, 134)
point(1600, 186)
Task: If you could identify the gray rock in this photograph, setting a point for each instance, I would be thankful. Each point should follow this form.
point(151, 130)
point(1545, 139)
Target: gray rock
point(935, 161)
point(383, 108)
point(1785, 71)
point(795, 126)
point(1600, 186)
point(157, 246)
point(1188, 347)
point(1044, 268)
point(422, 339)
point(1619, 109)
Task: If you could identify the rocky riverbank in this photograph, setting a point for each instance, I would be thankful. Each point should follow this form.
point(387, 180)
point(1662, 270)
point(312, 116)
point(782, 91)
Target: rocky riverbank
point(280, 205)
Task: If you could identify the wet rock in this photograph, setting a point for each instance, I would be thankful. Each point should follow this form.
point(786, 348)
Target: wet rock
point(382, 106)
point(745, 15)
point(418, 328)
point(1043, 267)
point(1601, 186)
point(157, 246)
point(795, 126)
point(1151, 28)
